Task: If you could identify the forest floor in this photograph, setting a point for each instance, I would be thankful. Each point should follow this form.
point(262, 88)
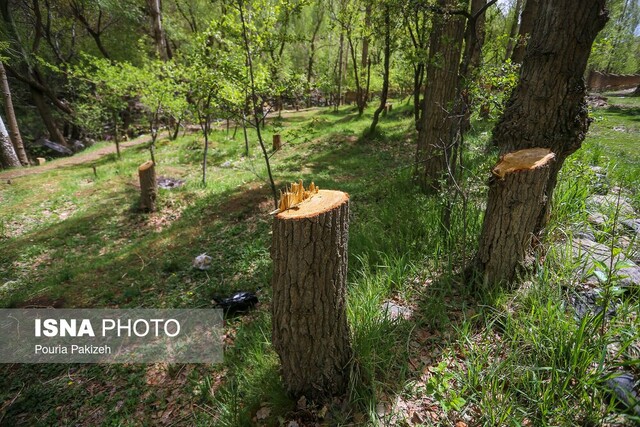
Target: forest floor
point(430, 349)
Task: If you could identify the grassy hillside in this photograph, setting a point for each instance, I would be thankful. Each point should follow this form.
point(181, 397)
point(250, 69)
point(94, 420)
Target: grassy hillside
point(69, 238)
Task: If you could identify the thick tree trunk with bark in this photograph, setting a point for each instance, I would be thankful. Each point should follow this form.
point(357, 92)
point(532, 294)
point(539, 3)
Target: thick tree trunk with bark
point(148, 190)
point(310, 330)
point(12, 122)
point(546, 110)
point(8, 157)
point(436, 150)
point(517, 195)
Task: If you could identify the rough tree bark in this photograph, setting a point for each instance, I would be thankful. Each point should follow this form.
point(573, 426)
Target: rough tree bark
point(14, 131)
point(517, 193)
point(148, 190)
point(8, 157)
point(310, 330)
point(527, 21)
point(436, 151)
point(547, 109)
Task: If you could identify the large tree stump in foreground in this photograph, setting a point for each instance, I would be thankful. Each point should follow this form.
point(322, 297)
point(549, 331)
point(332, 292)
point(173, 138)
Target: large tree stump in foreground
point(148, 191)
point(310, 331)
point(516, 201)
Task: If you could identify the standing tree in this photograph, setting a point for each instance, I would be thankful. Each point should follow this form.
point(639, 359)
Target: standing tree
point(14, 133)
point(415, 17)
point(8, 157)
point(436, 148)
point(530, 13)
point(545, 118)
point(386, 17)
point(159, 37)
point(257, 109)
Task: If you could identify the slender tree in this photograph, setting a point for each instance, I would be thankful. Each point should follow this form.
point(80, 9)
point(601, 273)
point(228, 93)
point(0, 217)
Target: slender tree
point(387, 54)
point(546, 111)
point(14, 131)
point(257, 110)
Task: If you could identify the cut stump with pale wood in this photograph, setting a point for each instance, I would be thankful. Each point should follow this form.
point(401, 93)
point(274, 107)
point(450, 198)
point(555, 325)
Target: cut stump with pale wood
point(148, 189)
point(516, 201)
point(309, 318)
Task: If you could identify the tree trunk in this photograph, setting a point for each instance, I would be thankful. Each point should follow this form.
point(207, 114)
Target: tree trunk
point(340, 60)
point(436, 150)
point(365, 64)
point(8, 157)
point(517, 195)
point(148, 191)
point(309, 317)
point(16, 139)
point(385, 80)
point(54, 132)
point(546, 110)
point(312, 53)
point(471, 59)
point(513, 33)
point(159, 38)
point(527, 21)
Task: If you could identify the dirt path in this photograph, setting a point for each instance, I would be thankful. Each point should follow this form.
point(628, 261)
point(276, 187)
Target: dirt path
point(77, 159)
point(83, 158)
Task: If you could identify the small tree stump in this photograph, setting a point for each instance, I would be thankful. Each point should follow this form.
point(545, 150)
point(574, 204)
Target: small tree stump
point(309, 318)
point(41, 161)
point(389, 107)
point(516, 201)
point(277, 142)
point(148, 191)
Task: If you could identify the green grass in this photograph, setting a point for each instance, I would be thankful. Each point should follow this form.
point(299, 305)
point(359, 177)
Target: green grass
point(513, 357)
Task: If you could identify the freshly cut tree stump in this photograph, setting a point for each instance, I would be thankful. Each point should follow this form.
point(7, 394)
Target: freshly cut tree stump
point(277, 142)
point(310, 331)
point(148, 190)
point(504, 240)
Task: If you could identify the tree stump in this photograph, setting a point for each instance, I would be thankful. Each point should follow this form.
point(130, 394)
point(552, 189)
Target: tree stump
point(148, 191)
point(310, 331)
point(389, 107)
point(277, 142)
point(516, 201)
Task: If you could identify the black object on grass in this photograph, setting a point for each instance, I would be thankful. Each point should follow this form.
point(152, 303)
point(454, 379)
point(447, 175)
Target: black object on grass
point(237, 303)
